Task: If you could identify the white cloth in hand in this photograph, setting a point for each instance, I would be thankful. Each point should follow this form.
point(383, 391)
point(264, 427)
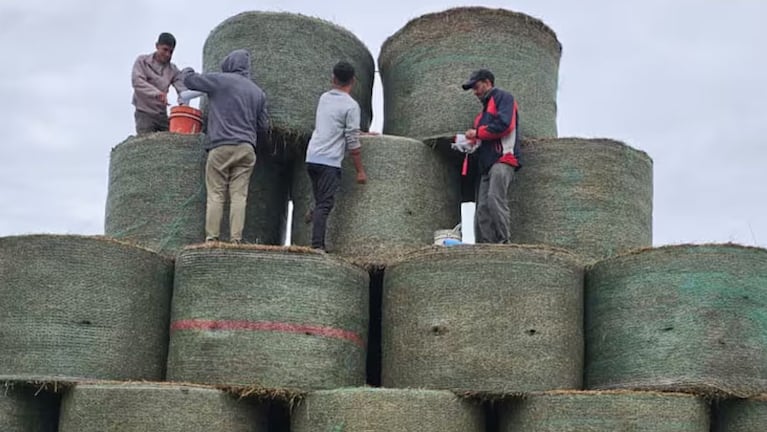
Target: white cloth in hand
point(187, 95)
point(463, 145)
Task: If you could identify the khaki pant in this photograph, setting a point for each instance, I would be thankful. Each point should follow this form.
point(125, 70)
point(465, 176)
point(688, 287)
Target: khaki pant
point(492, 218)
point(228, 166)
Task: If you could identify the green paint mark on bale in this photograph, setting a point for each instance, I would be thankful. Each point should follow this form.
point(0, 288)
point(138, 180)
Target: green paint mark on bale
point(492, 319)
point(157, 194)
point(590, 196)
point(424, 64)
point(274, 318)
point(385, 410)
point(28, 410)
point(292, 59)
point(139, 407)
point(687, 318)
point(742, 415)
point(410, 193)
point(605, 412)
point(82, 308)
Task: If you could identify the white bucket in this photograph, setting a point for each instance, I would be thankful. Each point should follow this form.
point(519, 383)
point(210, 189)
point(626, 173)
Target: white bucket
point(441, 235)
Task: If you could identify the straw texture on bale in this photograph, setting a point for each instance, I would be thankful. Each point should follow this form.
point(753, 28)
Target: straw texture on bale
point(687, 318)
point(140, 407)
point(410, 193)
point(385, 410)
point(424, 64)
point(27, 410)
point(271, 318)
point(742, 415)
point(82, 308)
point(605, 412)
point(157, 194)
point(292, 58)
point(590, 196)
point(493, 319)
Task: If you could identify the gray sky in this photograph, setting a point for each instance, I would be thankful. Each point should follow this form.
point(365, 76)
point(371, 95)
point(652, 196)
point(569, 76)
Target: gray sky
point(683, 81)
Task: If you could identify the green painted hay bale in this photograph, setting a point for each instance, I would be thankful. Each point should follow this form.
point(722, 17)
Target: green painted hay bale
point(157, 194)
point(424, 64)
point(140, 407)
point(411, 192)
point(492, 319)
point(27, 410)
point(590, 196)
point(687, 318)
point(82, 308)
point(385, 410)
point(742, 415)
point(605, 412)
point(292, 59)
point(281, 318)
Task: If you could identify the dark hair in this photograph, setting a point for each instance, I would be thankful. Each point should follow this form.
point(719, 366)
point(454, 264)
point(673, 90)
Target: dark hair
point(166, 39)
point(343, 72)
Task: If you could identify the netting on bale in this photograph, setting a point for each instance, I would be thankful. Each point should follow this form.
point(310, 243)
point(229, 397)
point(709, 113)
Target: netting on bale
point(678, 318)
point(590, 196)
point(140, 407)
point(605, 412)
point(292, 58)
point(385, 410)
point(424, 64)
point(27, 410)
point(492, 319)
point(742, 415)
point(268, 317)
point(411, 192)
point(82, 308)
point(157, 194)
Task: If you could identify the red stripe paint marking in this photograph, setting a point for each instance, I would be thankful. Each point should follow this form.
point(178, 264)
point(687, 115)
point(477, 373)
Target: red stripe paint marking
point(223, 325)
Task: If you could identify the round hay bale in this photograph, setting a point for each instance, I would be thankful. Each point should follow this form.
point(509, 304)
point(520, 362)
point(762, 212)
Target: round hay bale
point(157, 194)
point(274, 318)
point(678, 318)
point(139, 407)
point(742, 415)
point(385, 410)
point(492, 319)
point(410, 193)
point(292, 58)
point(28, 410)
point(605, 412)
point(590, 196)
point(82, 308)
point(424, 64)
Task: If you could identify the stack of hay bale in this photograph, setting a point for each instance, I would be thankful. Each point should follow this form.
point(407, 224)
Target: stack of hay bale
point(580, 326)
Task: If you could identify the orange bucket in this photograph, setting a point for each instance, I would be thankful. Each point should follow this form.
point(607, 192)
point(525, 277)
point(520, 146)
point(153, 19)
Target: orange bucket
point(185, 120)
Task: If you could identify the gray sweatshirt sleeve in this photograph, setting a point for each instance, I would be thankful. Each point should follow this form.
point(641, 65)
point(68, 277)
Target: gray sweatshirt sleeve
point(263, 119)
point(352, 128)
point(177, 82)
point(140, 83)
point(201, 82)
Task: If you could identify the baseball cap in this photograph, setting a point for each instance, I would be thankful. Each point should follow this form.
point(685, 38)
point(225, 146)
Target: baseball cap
point(479, 75)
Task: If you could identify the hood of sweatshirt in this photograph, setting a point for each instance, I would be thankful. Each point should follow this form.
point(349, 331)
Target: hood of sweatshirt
point(238, 61)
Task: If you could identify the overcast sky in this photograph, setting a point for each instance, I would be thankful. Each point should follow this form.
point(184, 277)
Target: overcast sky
point(683, 81)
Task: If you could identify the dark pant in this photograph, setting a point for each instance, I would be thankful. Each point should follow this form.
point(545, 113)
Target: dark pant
point(326, 181)
point(492, 218)
point(148, 123)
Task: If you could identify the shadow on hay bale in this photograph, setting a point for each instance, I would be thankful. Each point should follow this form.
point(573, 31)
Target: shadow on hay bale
point(741, 415)
point(605, 412)
point(385, 410)
point(82, 308)
point(678, 318)
point(268, 317)
point(28, 409)
point(424, 64)
point(492, 319)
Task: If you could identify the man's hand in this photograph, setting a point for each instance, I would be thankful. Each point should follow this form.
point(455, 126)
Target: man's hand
point(362, 178)
point(163, 98)
point(471, 134)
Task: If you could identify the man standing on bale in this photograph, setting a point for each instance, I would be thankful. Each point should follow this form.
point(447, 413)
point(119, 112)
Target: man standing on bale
point(336, 130)
point(152, 76)
point(236, 114)
point(495, 131)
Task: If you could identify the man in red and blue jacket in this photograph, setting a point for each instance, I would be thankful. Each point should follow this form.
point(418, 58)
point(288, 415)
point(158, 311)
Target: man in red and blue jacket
point(495, 130)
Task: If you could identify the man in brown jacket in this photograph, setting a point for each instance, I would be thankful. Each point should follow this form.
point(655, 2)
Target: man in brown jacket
point(152, 76)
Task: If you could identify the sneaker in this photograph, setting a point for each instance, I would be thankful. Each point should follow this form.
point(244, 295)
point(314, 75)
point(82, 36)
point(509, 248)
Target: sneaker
point(211, 239)
point(236, 242)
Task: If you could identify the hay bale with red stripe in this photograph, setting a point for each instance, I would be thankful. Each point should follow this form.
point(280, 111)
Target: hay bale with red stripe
point(25, 409)
point(75, 307)
point(268, 317)
point(140, 407)
point(386, 410)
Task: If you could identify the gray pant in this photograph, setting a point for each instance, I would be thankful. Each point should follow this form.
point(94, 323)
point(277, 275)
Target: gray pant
point(228, 166)
point(491, 219)
point(148, 123)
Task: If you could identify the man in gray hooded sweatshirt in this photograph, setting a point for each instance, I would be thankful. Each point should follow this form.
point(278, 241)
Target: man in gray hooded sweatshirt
point(236, 113)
